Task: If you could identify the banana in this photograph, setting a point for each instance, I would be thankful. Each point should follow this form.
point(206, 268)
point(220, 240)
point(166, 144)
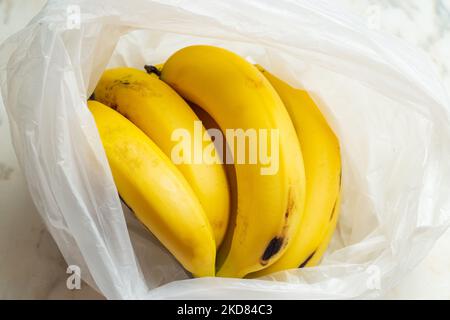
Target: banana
point(156, 191)
point(321, 155)
point(315, 257)
point(158, 111)
point(270, 194)
point(210, 123)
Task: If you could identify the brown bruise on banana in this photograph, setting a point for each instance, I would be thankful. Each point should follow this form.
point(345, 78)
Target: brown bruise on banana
point(340, 179)
point(261, 69)
point(109, 97)
point(304, 263)
point(125, 81)
point(279, 242)
point(333, 210)
point(253, 83)
point(273, 248)
point(290, 205)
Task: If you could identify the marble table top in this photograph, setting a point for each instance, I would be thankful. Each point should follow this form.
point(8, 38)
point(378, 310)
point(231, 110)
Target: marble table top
point(31, 265)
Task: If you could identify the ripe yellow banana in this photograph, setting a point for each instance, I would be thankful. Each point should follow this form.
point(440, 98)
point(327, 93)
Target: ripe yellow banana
point(321, 155)
point(316, 256)
point(269, 202)
point(158, 111)
point(156, 191)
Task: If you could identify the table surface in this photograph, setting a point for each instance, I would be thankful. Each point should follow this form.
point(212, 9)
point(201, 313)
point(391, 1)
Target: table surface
point(32, 266)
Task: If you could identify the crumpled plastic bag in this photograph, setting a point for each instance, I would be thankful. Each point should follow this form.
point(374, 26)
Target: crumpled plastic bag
point(382, 98)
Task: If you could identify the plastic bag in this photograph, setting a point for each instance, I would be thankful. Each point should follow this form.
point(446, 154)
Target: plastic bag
point(382, 98)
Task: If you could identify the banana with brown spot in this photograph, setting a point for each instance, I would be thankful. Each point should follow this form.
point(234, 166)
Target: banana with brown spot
point(159, 111)
point(321, 155)
point(269, 206)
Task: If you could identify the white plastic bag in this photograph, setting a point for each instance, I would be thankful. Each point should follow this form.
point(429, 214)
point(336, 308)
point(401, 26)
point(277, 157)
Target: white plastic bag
point(382, 98)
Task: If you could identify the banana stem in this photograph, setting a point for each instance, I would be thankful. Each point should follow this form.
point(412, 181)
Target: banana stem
point(152, 69)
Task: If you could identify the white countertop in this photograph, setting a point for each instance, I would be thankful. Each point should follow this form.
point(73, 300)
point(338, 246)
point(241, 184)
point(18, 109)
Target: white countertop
point(31, 265)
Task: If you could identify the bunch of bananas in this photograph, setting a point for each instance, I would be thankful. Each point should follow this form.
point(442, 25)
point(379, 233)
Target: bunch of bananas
point(235, 218)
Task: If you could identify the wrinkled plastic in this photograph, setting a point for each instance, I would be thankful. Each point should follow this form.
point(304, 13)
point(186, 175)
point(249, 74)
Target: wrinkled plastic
point(382, 98)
